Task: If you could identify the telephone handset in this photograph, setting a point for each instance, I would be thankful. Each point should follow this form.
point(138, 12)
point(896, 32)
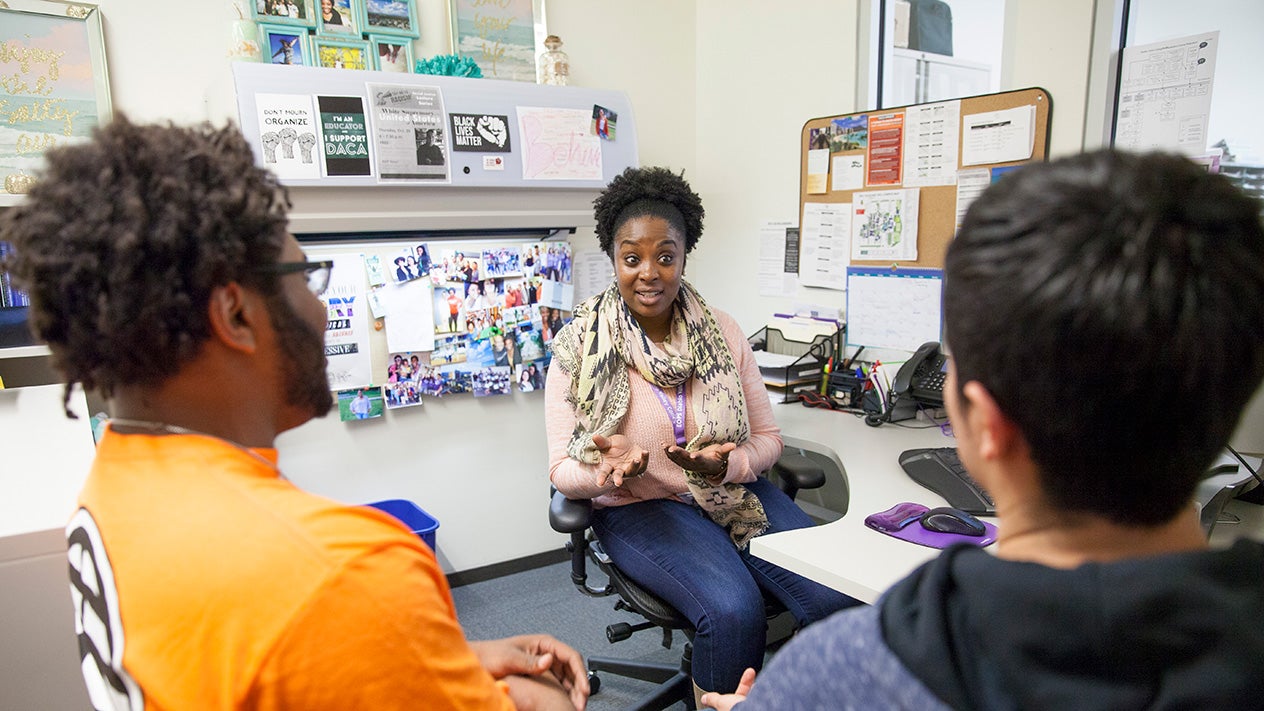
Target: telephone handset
point(922, 376)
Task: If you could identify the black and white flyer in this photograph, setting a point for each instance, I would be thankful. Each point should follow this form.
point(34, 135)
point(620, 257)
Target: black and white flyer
point(409, 133)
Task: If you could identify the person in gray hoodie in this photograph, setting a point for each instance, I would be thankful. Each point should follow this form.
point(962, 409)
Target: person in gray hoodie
point(1105, 315)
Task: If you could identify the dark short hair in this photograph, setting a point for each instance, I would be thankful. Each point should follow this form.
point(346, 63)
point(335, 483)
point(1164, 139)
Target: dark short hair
point(1113, 305)
point(122, 239)
point(648, 192)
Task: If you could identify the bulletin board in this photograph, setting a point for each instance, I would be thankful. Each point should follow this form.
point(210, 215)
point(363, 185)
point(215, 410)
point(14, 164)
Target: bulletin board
point(914, 155)
point(563, 144)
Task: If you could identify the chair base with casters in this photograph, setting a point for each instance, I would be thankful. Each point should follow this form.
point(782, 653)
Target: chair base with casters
point(674, 682)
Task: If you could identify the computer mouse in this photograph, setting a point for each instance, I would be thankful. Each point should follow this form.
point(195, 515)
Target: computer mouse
point(946, 519)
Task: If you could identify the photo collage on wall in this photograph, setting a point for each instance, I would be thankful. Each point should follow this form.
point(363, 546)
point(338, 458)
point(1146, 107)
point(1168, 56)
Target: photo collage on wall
point(496, 311)
point(459, 318)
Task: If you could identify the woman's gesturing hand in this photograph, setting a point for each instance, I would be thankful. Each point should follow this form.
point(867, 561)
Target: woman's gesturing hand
point(620, 459)
point(712, 461)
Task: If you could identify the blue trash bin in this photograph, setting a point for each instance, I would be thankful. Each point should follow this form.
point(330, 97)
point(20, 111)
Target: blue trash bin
point(418, 521)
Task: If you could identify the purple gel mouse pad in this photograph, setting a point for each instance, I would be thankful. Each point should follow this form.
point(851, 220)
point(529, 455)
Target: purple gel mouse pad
point(902, 521)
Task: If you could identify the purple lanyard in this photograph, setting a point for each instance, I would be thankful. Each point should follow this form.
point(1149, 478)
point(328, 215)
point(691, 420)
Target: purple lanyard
point(677, 414)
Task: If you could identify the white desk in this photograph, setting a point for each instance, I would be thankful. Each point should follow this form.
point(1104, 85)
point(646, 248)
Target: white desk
point(854, 559)
point(845, 554)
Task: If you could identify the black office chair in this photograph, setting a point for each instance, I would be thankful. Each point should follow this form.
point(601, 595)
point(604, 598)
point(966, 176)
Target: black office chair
point(794, 472)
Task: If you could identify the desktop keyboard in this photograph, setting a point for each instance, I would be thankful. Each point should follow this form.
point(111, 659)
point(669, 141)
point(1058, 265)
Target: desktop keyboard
point(940, 470)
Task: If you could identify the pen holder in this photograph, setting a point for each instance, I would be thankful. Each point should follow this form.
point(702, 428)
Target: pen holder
point(846, 389)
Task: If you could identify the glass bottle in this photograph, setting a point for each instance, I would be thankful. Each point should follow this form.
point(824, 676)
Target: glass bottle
point(554, 65)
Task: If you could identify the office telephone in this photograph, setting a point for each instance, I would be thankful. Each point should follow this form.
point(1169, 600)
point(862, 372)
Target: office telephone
point(922, 376)
point(918, 383)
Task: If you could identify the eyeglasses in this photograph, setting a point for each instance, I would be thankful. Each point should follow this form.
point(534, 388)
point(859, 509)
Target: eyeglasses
point(317, 273)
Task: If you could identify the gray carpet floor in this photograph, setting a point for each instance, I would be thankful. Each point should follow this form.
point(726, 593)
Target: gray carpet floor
point(544, 600)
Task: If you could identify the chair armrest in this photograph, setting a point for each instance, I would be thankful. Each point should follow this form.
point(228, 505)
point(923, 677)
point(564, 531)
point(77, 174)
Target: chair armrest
point(797, 472)
point(569, 515)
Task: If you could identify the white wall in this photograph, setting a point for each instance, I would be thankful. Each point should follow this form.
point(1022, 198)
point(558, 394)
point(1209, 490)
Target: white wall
point(764, 69)
point(1048, 45)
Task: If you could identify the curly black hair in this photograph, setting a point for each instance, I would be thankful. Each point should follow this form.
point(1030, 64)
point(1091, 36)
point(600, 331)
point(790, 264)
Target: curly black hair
point(648, 192)
point(122, 239)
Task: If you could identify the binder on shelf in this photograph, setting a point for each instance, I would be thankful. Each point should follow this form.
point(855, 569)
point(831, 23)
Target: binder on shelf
point(789, 366)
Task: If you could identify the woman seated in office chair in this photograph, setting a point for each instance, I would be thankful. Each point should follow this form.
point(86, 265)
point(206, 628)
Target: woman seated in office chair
point(655, 409)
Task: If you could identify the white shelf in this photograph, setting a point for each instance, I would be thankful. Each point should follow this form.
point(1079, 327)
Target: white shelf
point(9, 200)
point(24, 352)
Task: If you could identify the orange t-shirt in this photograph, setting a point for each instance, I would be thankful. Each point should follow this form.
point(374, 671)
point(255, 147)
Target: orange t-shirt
point(202, 579)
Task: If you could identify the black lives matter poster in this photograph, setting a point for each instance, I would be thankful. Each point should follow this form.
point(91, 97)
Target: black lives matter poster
point(480, 133)
point(344, 135)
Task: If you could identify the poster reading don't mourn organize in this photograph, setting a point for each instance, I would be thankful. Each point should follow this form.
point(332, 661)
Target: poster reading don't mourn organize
point(287, 134)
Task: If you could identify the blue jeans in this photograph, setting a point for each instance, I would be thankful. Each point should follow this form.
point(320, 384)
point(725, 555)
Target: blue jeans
point(676, 552)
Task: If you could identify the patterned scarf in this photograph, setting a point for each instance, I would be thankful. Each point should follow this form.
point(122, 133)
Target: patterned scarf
point(604, 338)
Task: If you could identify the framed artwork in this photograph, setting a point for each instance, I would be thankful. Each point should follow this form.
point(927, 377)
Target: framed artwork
point(342, 54)
point(338, 17)
point(284, 12)
point(391, 17)
point(503, 38)
point(56, 88)
point(285, 44)
point(391, 54)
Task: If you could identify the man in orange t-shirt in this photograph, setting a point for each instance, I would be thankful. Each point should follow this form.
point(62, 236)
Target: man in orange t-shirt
point(201, 577)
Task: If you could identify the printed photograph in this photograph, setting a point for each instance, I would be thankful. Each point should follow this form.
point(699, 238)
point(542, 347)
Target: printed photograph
point(531, 376)
point(342, 55)
point(550, 260)
point(502, 262)
point(551, 321)
point(394, 54)
point(430, 146)
point(455, 381)
point(515, 297)
point(484, 323)
point(450, 349)
point(603, 123)
point(449, 308)
point(402, 367)
point(285, 46)
point(406, 268)
point(338, 17)
point(360, 404)
point(456, 265)
point(530, 343)
point(402, 394)
point(430, 382)
point(498, 349)
point(287, 11)
point(497, 380)
point(391, 16)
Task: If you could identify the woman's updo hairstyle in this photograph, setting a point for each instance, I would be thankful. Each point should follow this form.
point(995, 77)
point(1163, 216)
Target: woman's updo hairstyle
point(648, 192)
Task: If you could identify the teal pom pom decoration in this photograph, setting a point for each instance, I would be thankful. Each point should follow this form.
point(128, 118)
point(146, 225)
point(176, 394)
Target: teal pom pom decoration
point(449, 65)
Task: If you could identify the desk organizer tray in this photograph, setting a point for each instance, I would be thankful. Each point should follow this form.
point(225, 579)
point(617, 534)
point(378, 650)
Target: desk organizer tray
point(789, 366)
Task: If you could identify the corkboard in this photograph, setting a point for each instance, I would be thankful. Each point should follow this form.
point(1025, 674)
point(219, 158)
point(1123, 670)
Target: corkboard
point(937, 205)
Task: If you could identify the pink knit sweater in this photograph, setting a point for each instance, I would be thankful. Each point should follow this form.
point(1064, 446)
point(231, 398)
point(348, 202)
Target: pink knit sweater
point(647, 425)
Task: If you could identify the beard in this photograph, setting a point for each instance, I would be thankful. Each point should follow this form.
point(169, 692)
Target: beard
point(303, 372)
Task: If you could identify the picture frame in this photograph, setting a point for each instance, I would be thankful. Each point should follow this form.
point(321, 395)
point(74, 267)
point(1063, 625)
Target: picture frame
point(347, 14)
point(285, 44)
point(73, 97)
point(299, 13)
point(511, 49)
point(391, 53)
point(341, 53)
point(390, 17)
